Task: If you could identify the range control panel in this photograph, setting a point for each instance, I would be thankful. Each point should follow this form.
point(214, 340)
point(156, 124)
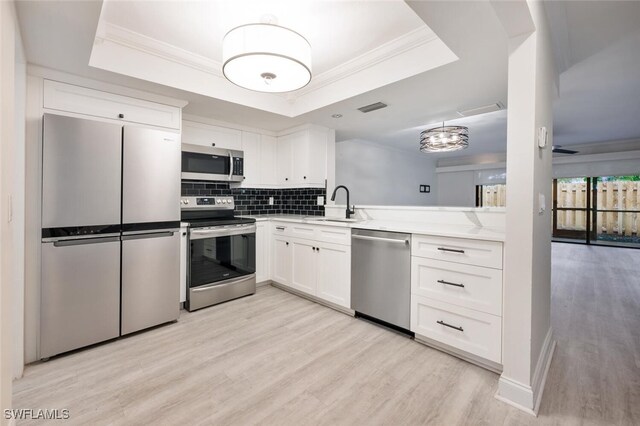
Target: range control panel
point(206, 203)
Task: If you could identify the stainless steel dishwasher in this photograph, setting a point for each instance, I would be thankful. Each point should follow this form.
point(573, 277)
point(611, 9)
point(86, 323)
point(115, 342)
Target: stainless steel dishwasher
point(381, 276)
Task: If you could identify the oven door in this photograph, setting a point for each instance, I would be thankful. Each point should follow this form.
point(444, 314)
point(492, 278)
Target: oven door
point(218, 255)
point(211, 164)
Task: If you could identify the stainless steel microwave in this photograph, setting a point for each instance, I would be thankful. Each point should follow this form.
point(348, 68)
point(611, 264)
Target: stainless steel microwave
point(212, 164)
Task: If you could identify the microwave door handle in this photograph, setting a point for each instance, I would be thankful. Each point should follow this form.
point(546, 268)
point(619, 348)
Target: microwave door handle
point(231, 165)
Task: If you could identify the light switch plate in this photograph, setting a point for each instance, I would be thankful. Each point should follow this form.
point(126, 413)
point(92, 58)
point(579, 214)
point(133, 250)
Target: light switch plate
point(270, 201)
point(541, 203)
point(320, 201)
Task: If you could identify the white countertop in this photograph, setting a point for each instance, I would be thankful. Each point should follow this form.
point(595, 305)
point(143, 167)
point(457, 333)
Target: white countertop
point(443, 230)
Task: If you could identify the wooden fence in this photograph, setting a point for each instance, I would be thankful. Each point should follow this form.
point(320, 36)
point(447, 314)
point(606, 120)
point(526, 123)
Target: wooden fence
point(616, 195)
point(494, 195)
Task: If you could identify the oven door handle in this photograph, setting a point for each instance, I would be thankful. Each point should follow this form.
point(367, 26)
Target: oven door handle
point(199, 234)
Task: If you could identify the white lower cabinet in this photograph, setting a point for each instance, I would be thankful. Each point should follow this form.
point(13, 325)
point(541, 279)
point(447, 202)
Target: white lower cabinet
point(471, 331)
point(281, 263)
point(456, 294)
point(317, 268)
point(305, 266)
point(334, 274)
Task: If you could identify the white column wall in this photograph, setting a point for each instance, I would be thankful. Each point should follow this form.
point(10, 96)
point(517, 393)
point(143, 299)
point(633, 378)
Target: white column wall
point(527, 344)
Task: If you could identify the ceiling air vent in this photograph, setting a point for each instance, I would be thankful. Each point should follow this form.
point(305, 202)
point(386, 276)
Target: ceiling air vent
point(372, 107)
point(481, 110)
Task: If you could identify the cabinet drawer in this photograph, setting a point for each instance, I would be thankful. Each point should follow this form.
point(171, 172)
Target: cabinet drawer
point(334, 234)
point(459, 250)
point(474, 332)
point(468, 286)
point(81, 100)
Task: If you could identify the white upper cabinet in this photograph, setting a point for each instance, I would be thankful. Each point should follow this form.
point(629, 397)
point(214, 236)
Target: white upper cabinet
point(284, 161)
point(268, 160)
point(209, 135)
point(259, 160)
point(96, 103)
point(252, 151)
point(302, 157)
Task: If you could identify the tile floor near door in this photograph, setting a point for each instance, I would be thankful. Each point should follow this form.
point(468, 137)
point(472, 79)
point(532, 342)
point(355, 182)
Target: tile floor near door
point(275, 358)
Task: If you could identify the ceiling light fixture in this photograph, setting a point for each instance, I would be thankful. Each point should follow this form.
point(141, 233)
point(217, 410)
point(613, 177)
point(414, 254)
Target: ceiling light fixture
point(336, 115)
point(444, 139)
point(266, 58)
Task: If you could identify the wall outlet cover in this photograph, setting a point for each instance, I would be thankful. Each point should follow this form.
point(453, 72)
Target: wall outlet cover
point(270, 201)
point(425, 188)
point(320, 201)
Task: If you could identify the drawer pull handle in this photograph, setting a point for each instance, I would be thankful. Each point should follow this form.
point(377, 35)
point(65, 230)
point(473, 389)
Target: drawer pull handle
point(280, 228)
point(451, 250)
point(450, 326)
point(450, 283)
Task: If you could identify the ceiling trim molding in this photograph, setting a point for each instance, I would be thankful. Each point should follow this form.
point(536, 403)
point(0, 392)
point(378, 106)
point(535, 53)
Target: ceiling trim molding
point(411, 40)
point(131, 39)
point(134, 40)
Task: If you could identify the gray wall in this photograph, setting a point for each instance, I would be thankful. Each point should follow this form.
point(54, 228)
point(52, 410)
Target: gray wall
point(457, 189)
point(381, 176)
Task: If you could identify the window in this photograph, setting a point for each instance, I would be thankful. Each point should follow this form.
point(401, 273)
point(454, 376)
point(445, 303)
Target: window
point(491, 195)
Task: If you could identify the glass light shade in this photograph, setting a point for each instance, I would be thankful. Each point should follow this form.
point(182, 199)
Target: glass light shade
point(444, 139)
point(266, 58)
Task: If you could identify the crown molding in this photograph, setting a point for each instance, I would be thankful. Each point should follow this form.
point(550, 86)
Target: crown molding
point(411, 40)
point(134, 40)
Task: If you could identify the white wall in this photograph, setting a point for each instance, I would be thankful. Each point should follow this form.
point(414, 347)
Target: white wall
point(11, 197)
point(457, 189)
point(377, 175)
point(528, 344)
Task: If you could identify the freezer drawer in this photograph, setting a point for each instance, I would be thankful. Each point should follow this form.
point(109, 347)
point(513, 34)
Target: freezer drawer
point(80, 294)
point(150, 176)
point(81, 169)
point(150, 279)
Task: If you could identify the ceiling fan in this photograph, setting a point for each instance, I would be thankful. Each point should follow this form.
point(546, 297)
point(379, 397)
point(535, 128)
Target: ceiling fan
point(560, 150)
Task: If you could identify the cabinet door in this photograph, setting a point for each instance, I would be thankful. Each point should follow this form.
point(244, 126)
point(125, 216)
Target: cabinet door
point(207, 135)
point(268, 160)
point(281, 260)
point(301, 151)
point(316, 166)
point(285, 154)
point(262, 251)
point(96, 103)
point(252, 154)
point(334, 274)
point(305, 266)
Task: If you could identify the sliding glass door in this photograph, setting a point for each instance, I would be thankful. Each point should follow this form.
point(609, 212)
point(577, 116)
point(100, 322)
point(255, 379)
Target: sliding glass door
point(597, 210)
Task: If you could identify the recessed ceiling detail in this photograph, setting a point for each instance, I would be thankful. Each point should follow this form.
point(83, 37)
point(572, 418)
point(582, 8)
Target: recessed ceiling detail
point(368, 47)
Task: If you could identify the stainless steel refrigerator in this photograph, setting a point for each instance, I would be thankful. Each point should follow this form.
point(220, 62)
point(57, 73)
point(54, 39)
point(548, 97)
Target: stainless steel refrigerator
point(110, 231)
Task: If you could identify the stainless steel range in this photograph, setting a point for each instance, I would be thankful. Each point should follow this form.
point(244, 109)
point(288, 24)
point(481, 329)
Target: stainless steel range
point(222, 252)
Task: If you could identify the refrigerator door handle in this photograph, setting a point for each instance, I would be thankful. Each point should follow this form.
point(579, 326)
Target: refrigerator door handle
point(83, 241)
point(147, 235)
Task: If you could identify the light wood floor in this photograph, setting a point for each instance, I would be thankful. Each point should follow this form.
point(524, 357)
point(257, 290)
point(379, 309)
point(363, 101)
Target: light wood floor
point(274, 358)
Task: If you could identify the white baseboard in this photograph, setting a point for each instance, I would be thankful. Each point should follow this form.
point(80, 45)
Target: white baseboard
point(524, 397)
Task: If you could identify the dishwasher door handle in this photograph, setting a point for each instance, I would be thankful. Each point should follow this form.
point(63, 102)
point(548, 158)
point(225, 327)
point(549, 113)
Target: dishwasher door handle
point(386, 240)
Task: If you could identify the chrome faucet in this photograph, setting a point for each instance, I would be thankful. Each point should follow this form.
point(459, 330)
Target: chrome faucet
point(350, 209)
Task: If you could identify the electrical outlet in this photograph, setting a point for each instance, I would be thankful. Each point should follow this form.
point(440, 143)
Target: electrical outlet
point(320, 200)
point(270, 201)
